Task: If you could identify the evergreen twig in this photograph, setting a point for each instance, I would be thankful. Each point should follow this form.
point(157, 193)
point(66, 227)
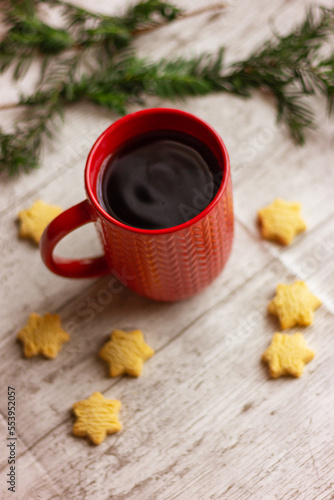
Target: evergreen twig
point(291, 68)
point(20, 149)
point(28, 37)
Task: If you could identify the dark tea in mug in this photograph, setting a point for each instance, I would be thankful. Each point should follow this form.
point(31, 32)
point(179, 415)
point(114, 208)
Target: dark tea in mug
point(159, 179)
point(159, 191)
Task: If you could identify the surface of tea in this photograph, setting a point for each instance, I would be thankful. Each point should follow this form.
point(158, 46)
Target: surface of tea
point(158, 180)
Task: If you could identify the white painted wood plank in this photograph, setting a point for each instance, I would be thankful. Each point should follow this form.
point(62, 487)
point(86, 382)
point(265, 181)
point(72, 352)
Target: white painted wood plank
point(296, 174)
point(205, 418)
point(4, 433)
point(69, 151)
point(26, 283)
point(312, 260)
point(28, 472)
point(90, 322)
point(177, 38)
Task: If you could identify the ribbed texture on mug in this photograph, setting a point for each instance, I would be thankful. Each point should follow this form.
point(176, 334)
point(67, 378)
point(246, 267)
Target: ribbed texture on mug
point(175, 265)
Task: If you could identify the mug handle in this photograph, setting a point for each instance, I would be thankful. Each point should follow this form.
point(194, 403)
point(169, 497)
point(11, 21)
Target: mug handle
point(62, 225)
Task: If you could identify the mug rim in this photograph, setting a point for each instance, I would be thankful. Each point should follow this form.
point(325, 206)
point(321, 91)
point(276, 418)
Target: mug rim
point(121, 121)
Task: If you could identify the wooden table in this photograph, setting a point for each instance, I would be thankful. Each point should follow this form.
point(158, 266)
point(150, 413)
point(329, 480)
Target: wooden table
point(204, 421)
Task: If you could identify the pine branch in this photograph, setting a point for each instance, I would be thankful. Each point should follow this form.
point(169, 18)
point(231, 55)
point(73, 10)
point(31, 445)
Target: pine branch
point(289, 67)
point(21, 148)
point(181, 15)
point(124, 82)
point(28, 38)
point(114, 32)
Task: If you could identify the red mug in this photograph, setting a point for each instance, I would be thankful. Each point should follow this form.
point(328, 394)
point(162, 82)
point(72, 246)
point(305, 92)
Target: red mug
point(162, 264)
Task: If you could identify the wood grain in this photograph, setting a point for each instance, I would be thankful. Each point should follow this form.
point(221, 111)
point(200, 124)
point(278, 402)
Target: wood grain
point(204, 421)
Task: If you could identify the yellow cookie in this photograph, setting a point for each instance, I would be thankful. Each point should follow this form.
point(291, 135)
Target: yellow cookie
point(34, 220)
point(287, 355)
point(125, 352)
point(294, 304)
point(96, 417)
point(43, 335)
point(281, 221)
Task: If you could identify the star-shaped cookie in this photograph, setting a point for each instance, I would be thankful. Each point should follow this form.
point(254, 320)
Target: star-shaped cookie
point(294, 304)
point(281, 221)
point(34, 220)
point(96, 417)
point(125, 352)
point(42, 335)
point(287, 355)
